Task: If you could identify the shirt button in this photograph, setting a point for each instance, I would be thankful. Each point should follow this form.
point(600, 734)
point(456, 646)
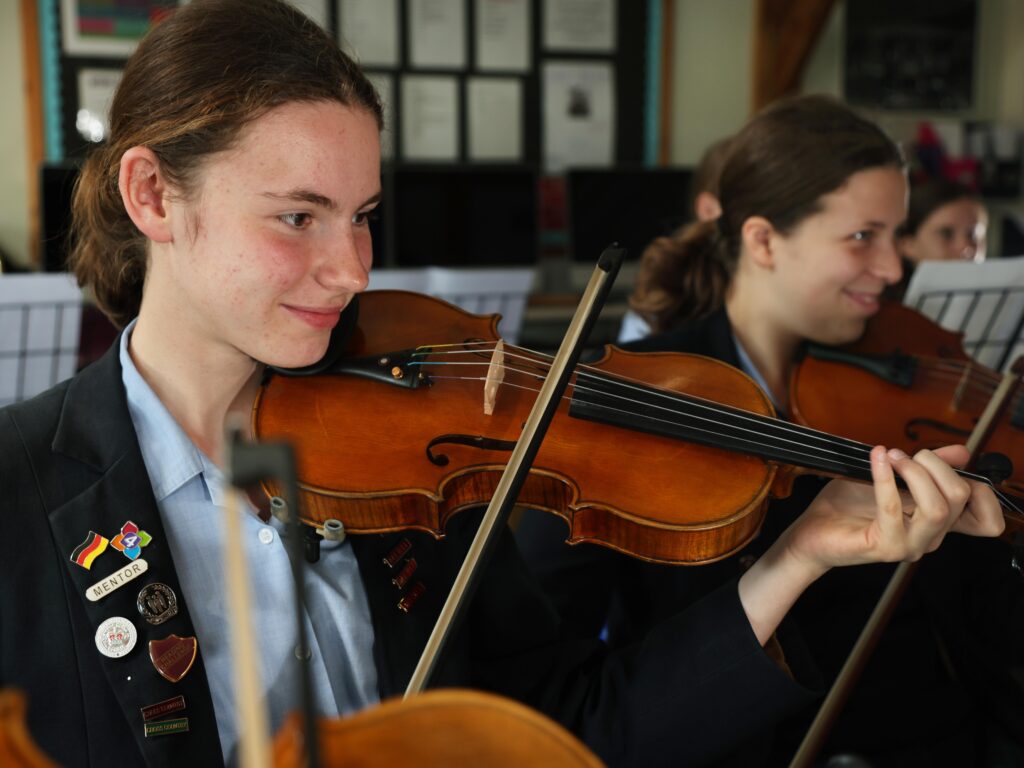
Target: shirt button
point(266, 535)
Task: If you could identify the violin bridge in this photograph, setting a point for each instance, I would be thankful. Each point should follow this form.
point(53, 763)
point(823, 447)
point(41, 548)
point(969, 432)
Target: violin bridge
point(495, 375)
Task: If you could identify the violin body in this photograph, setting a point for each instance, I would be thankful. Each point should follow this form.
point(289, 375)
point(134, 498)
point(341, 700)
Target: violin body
point(438, 729)
point(381, 456)
point(916, 388)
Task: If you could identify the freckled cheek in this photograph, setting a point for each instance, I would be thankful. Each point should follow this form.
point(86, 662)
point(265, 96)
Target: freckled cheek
point(284, 263)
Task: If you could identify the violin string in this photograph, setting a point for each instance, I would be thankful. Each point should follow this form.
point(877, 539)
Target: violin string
point(854, 464)
point(861, 450)
point(964, 401)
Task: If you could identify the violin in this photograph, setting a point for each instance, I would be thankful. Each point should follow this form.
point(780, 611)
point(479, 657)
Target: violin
point(667, 457)
point(907, 383)
point(417, 733)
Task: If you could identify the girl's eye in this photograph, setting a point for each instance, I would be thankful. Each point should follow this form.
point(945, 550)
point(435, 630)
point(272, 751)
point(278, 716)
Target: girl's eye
point(863, 236)
point(364, 217)
point(296, 220)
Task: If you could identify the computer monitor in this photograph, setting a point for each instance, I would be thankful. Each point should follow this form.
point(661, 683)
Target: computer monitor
point(627, 206)
point(473, 216)
point(56, 183)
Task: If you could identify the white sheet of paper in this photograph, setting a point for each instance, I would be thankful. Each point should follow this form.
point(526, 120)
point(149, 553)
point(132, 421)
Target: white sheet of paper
point(579, 25)
point(430, 117)
point(368, 31)
point(40, 321)
point(437, 34)
point(481, 291)
point(385, 85)
point(495, 118)
point(95, 92)
point(974, 298)
point(503, 35)
point(579, 114)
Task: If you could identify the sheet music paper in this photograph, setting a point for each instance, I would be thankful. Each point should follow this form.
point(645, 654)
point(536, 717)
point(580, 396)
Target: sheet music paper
point(481, 291)
point(983, 300)
point(40, 322)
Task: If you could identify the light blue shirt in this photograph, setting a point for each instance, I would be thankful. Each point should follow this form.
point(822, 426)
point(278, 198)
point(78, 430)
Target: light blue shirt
point(748, 367)
point(189, 492)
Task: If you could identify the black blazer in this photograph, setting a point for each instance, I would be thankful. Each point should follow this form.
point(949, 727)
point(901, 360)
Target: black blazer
point(70, 463)
point(942, 668)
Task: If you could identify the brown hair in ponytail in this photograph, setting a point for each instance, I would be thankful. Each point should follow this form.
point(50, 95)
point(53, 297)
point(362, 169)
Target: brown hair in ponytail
point(195, 81)
point(779, 166)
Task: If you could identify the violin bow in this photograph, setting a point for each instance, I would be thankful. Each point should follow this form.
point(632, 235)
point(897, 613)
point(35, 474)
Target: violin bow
point(840, 691)
point(247, 463)
point(511, 482)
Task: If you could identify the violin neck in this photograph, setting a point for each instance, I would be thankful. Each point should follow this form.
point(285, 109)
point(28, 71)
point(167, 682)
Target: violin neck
point(694, 420)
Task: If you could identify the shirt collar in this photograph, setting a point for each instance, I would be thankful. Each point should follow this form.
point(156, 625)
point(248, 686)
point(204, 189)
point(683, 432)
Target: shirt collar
point(751, 370)
point(171, 458)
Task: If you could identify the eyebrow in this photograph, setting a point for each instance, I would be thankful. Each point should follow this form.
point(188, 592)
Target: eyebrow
point(314, 198)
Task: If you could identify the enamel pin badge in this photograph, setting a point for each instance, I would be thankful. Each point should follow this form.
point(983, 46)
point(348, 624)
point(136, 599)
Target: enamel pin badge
point(85, 554)
point(116, 637)
point(173, 656)
point(157, 603)
point(163, 709)
point(130, 540)
point(119, 578)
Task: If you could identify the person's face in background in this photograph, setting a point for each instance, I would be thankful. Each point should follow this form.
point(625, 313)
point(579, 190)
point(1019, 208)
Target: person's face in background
point(825, 278)
point(954, 231)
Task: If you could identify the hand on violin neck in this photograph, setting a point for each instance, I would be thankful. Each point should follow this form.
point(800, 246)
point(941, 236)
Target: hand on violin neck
point(852, 523)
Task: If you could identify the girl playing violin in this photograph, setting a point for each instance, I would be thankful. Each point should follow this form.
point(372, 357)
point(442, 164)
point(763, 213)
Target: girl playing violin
point(224, 226)
point(811, 197)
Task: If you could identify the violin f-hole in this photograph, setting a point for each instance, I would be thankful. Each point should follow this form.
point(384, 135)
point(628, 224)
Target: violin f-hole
point(472, 441)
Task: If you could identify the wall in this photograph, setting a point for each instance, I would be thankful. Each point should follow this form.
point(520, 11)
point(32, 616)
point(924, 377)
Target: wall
point(711, 70)
point(14, 209)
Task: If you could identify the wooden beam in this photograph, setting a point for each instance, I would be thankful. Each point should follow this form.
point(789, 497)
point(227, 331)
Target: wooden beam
point(32, 86)
point(785, 32)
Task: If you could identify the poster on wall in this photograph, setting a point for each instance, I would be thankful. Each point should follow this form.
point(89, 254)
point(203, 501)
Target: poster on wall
point(430, 118)
point(579, 114)
point(108, 27)
point(95, 92)
point(384, 83)
point(368, 31)
point(503, 35)
point(580, 25)
point(495, 118)
point(437, 34)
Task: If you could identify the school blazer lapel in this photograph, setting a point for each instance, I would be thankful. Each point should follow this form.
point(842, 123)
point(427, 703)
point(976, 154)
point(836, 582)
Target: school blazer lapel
point(95, 430)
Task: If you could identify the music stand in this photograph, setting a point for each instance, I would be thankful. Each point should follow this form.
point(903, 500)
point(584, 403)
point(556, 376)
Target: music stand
point(983, 301)
point(40, 320)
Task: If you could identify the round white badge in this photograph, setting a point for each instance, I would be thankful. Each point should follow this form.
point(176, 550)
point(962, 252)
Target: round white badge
point(116, 637)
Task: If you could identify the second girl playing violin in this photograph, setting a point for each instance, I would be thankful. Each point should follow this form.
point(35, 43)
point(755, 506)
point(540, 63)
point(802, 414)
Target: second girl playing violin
point(224, 225)
point(811, 197)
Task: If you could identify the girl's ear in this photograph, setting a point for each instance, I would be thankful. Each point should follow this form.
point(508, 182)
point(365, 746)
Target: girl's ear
point(144, 192)
point(757, 233)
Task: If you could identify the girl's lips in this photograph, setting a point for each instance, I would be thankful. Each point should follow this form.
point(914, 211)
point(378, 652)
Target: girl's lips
point(316, 317)
point(869, 302)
